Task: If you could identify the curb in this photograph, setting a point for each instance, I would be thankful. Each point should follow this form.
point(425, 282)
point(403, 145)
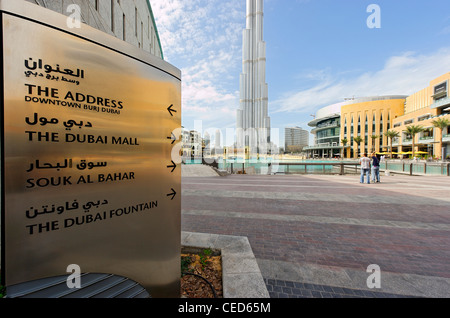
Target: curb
point(241, 276)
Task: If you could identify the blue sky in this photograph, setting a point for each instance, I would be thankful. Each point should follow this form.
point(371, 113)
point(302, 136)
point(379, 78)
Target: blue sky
point(318, 53)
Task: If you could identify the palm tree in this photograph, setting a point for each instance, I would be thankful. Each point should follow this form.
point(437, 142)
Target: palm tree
point(374, 137)
point(441, 123)
point(358, 141)
point(391, 134)
point(344, 143)
point(413, 130)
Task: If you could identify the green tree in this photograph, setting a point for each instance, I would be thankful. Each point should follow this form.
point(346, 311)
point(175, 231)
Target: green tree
point(413, 130)
point(391, 134)
point(358, 140)
point(344, 143)
point(441, 123)
point(374, 137)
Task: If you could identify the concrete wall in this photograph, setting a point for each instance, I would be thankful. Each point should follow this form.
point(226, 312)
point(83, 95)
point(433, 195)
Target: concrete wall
point(129, 20)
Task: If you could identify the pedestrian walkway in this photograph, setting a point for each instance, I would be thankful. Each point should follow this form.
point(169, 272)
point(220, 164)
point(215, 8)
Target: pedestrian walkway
point(198, 171)
point(315, 236)
point(287, 289)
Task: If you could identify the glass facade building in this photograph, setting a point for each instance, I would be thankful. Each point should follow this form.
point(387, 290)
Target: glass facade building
point(326, 130)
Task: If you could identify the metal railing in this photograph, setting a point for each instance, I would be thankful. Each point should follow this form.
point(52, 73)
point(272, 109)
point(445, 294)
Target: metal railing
point(342, 168)
point(411, 168)
point(325, 167)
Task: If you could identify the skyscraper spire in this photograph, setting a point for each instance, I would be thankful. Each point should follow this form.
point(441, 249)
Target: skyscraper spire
point(253, 121)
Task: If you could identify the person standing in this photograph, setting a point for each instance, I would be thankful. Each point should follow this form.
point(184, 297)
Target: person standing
point(365, 168)
point(375, 168)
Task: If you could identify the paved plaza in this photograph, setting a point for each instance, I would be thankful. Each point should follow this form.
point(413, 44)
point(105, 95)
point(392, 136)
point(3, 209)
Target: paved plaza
point(316, 235)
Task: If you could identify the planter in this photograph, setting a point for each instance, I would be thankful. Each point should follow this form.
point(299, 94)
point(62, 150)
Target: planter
point(241, 276)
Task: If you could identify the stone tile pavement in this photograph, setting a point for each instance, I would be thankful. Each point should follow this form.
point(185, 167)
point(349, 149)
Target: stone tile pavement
point(287, 289)
point(315, 236)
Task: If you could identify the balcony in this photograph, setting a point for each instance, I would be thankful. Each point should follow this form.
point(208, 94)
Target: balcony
point(328, 145)
point(446, 138)
point(325, 126)
point(443, 102)
point(426, 139)
point(395, 142)
point(406, 141)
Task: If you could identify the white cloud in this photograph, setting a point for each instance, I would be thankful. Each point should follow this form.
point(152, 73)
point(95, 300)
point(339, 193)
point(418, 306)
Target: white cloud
point(203, 39)
point(403, 74)
point(445, 30)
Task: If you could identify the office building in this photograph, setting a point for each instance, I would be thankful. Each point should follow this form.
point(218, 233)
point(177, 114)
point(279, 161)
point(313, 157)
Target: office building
point(295, 139)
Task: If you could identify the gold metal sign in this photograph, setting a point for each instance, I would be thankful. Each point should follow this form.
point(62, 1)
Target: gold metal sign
point(88, 177)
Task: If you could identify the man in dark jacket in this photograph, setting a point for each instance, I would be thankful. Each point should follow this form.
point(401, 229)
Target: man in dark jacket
point(375, 168)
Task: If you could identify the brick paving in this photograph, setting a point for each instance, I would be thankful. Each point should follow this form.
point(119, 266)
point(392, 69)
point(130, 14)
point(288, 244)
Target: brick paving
point(287, 289)
point(314, 236)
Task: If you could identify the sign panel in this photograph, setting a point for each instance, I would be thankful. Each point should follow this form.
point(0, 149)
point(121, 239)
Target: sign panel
point(88, 177)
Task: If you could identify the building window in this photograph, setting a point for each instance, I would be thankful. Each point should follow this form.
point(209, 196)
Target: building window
point(373, 125)
point(136, 22)
point(424, 117)
point(381, 130)
point(124, 29)
point(366, 126)
point(359, 125)
point(427, 133)
point(112, 15)
point(440, 91)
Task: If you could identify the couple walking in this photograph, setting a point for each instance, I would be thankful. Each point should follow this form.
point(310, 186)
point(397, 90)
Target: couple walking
point(366, 165)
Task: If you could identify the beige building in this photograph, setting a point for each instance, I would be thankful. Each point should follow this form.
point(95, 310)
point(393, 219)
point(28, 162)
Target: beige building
point(421, 109)
point(369, 118)
point(128, 20)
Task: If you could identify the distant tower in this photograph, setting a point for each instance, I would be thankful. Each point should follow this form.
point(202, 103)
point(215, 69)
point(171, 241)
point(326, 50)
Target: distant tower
point(217, 139)
point(253, 121)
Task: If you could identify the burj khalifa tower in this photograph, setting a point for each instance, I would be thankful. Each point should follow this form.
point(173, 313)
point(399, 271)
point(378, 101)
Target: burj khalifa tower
point(253, 122)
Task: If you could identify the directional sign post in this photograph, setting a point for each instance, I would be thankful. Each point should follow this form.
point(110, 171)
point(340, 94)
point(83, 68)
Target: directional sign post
point(172, 166)
point(171, 110)
point(87, 174)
